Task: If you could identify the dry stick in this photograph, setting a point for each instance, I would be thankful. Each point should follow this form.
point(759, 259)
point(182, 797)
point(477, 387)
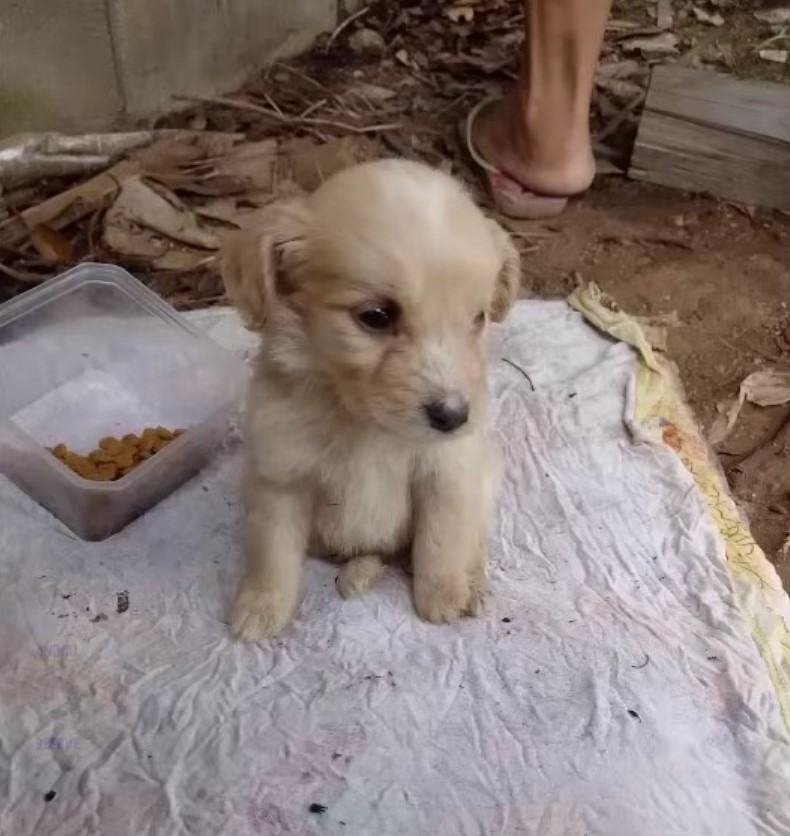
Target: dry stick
point(619, 118)
point(312, 108)
point(285, 119)
point(342, 25)
point(22, 278)
point(273, 104)
point(330, 95)
point(345, 110)
point(454, 103)
point(191, 304)
point(310, 80)
point(303, 76)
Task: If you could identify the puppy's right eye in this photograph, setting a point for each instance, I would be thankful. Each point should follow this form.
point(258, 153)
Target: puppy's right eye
point(380, 318)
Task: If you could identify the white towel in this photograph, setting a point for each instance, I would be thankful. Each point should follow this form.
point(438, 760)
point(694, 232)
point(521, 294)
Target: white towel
point(612, 689)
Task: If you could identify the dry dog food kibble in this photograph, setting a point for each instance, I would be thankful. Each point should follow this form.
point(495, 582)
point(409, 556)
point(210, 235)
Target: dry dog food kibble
point(114, 458)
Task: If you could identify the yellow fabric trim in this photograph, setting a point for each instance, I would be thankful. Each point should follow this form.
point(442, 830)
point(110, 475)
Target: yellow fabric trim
point(661, 414)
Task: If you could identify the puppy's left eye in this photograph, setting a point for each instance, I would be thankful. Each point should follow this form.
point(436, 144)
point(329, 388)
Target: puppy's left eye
point(480, 319)
point(380, 318)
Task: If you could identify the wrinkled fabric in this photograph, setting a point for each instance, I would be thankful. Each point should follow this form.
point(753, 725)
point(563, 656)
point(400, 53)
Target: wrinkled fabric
point(612, 689)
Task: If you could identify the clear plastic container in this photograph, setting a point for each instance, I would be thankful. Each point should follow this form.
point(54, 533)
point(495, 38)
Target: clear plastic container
point(94, 353)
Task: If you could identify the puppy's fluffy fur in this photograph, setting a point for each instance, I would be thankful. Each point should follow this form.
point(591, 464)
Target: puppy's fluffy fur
point(373, 296)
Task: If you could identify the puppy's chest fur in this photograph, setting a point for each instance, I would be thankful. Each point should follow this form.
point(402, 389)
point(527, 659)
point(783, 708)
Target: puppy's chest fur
point(363, 498)
point(359, 483)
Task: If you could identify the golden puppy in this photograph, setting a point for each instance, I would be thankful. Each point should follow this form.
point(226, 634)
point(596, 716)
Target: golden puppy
point(365, 425)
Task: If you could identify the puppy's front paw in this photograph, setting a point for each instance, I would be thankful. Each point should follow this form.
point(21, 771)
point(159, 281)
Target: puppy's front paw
point(259, 612)
point(443, 597)
point(477, 593)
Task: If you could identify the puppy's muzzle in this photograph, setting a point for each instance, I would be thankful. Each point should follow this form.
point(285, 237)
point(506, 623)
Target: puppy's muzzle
point(447, 414)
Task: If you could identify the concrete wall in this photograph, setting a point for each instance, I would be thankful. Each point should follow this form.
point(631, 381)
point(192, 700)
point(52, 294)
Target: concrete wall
point(56, 65)
point(79, 65)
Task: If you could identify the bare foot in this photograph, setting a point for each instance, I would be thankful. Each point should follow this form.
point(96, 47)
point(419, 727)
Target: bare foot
point(544, 152)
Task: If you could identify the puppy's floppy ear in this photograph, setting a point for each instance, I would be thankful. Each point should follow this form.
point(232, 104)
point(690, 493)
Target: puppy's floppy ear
point(257, 263)
point(509, 278)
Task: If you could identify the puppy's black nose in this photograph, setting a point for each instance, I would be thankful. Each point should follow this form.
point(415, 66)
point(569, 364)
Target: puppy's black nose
point(447, 415)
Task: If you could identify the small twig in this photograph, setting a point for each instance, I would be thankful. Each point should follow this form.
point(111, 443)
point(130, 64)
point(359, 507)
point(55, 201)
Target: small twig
point(644, 664)
point(665, 241)
point(620, 117)
point(303, 76)
point(191, 304)
point(240, 104)
point(312, 108)
point(518, 233)
point(310, 80)
point(454, 103)
point(345, 110)
point(22, 278)
point(357, 95)
point(519, 369)
point(343, 24)
point(782, 35)
point(93, 224)
point(273, 104)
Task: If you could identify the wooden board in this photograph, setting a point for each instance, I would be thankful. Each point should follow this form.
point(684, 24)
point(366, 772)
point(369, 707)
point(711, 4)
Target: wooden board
point(706, 132)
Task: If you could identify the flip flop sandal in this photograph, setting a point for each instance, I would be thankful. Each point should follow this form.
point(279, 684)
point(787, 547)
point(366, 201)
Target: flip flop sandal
point(509, 196)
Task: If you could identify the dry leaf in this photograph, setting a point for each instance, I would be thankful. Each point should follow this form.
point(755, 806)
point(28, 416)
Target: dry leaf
point(702, 16)
point(52, 245)
point(67, 207)
point(778, 56)
point(251, 163)
point(373, 93)
point(460, 14)
point(774, 16)
point(155, 208)
point(136, 243)
point(763, 388)
point(487, 64)
point(367, 40)
point(615, 25)
point(664, 44)
point(222, 209)
point(664, 14)
point(178, 150)
point(308, 163)
point(248, 168)
point(618, 69)
point(620, 90)
point(198, 122)
point(403, 56)
point(656, 328)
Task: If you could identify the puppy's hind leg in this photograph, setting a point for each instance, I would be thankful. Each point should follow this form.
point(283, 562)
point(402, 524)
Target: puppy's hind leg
point(359, 575)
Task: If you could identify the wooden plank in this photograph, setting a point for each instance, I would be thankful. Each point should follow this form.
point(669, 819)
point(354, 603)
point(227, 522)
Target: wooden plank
point(751, 107)
point(705, 132)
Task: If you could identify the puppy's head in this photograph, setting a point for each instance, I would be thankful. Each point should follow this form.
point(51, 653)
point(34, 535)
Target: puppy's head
point(381, 284)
